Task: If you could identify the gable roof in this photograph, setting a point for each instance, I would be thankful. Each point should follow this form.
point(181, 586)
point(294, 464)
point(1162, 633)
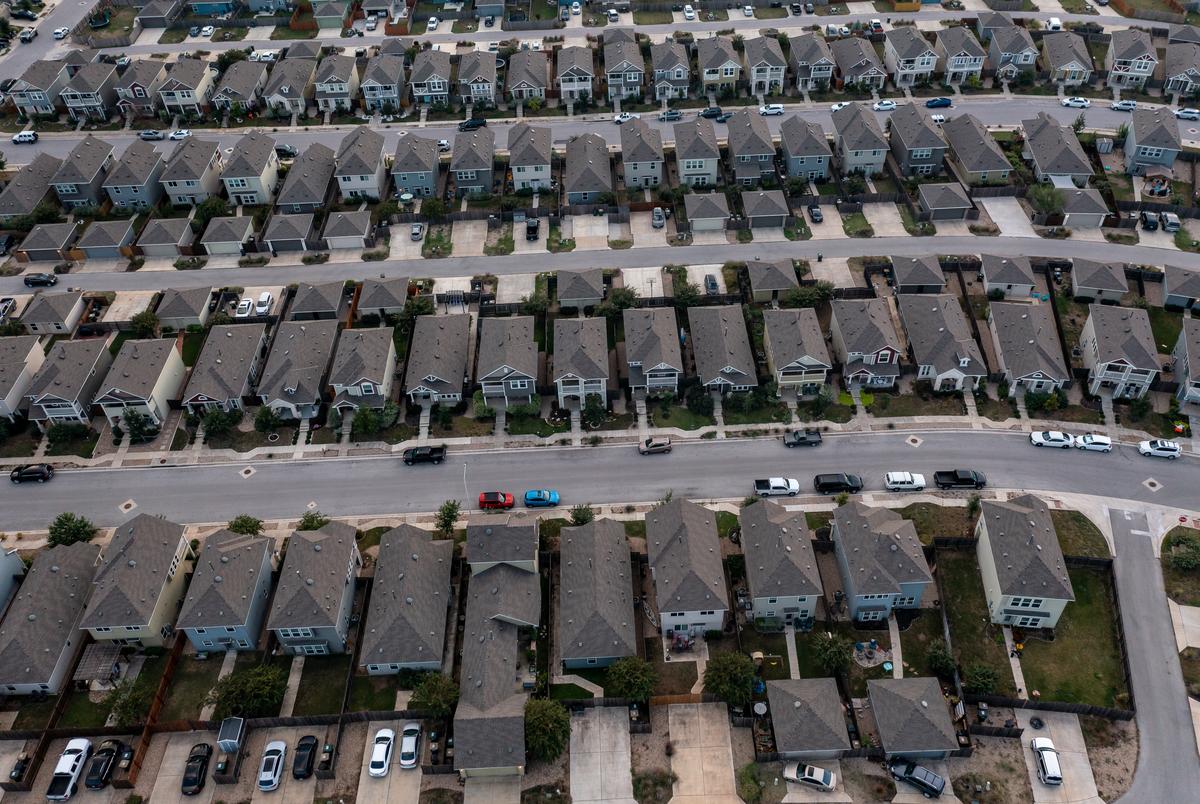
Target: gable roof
point(528, 68)
point(362, 354)
point(51, 308)
point(640, 143)
point(587, 167)
point(307, 49)
point(1015, 270)
point(335, 69)
point(473, 150)
point(26, 190)
point(855, 57)
point(1156, 128)
point(944, 195)
point(241, 81)
point(347, 224)
point(529, 145)
point(923, 270)
point(438, 350)
point(651, 338)
point(478, 65)
point(622, 52)
point(807, 715)
point(107, 234)
point(914, 128)
point(698, 206)
point(777, 543)
point(1124, 333)
point(1181, 281)
point(1011, 39)
point(666, 57)
point(167, 232)
point(223, 369)
point(320, 298)
point(907, 42)
point(134, 568)
point(857, 129)
point(380, 293)
point(759, 203)
point(939, 334)
point(1028, 340)
point(595, 592)
point(772, 275)
point(973, 145)
point(715, 52)
point(1100, 275)
point(361, 153)
point(229, 229)
point(429, 64)
point(1024, 547)
point(250, 155)
point(1061, 48)
point(1184, 33)
point(313, 577)
point(227, 571)
point(67, 369)
point(580, 348)
point(307, 182)
point(880, 547)
point(696, 139)
point(47, 236)
point(763, 50)
point(748, 135)
point(960, 39)
point(387, 70)
point(793, 334)
point(190, 159)
point(91, 77)
point(289, 227)
point(84, 162)
point(580, 283)
point(1085, 201)
point(41, 74)
point(415, 155)
point(135, 167)
point(502, 538)
point(14, 352)
point(1054, 147)
point(299, 356)
point(1131, 44)
point(137, 368)
point(911, 714)
point(720, 342)
point(290, 78)
point(685, 557)
point(506, 342)
point(185, 74)
point(801, 137)
point(1189, 344)
point(1182, 58)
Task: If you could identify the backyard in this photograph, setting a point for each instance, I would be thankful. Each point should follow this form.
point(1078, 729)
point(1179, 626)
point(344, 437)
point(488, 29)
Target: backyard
point(1166, 326)
point(189, 687)
point(322, 685)
point(373, 693)
point(1183, 586)
point(939, 520)
point(976, 640)
point(916, 640)
point(674, 678)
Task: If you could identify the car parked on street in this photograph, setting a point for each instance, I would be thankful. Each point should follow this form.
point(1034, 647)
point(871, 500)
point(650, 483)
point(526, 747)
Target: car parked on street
point(472, 123)
point(541, 498)
point(1123, 105)
point(771, 109)
point(151, 134)
point(1188, 113)
point(1158, 448)
point(884, 106)
point(777, 487)
point(810, 776)
point(1076, 102)
point(929, 783)
point(1052, 438)
point(495, 500)
point(625, 117)
point(40, 280)
point(938, 103)
point(1093, 442)
point(839, 105)
point(837, 483)
point(808, 437)
point(31, 473)
point(653, 446)
point(270, 769)
point(670, 115)
point(180, 134)
point(903, 481)
point(25, 138)
point(195, 772)
point(61, 33)
point(410, 745)
point(711, 112)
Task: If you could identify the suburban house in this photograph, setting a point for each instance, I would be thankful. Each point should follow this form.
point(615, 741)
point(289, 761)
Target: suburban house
point(721, 346)
point(1024, 574)
point(477, 78)
point(909, 58)
point(596, 616)
point(530, 155)
point(1098, 281)
point(145, 376)
point(580, 288)
point(336, 84)
point(917, 274)
point(706, 212)
point(139, 583)
point(29, 188)
point(225, 371)
point(226, 602)
point(857, 64)
point(80, 179)
point(62, 390)
point(188, 87)
point(672, 70)
point(415, 166)
point(361, 172)
point(1011, 52)
point(580, 360)
point(437, 360)
point(587, 174)
point(880, 561)
point(1054, 151)
point(252, 173)
point(685, 564)
point(865, 342)
point(40, 636)
point(771, 279)
point(796, 352)
point(106, 240)
point(861, 144)
point(916, 142)
point(135, 180)
point(241, 87)
point(806, 152)
point(944, 201)
point(641, 154)
point(1008, 276)
point(290, 86)
point(989, 22)
point(1181, 287)
point(528, 76)
point(506, 367)
point(719, 65)
point(49, 242)
point(652, 353)
point(430, 77)
point(811, 62)
point(293, 379)
point(976, 153)
point(765, 65)
point(383, 297)
point(53, 313)
point(193, 172)
point(940, 339)
point(1186, 357)
point(960, 56)
point(751, 148)
point(310, 613)
point(306, 186)
point(228, 234)
point(1152, 141)
point(286, 232)
point(91, 93)
point(624, 67)
point(1119, 351)
point(1027, 347)
point(36, 92)
point(349, 230)
point(765, 209)
point(697, 155)
point(471, 162)
point(1066, 58)
point(1182, 68)
point(781, 567)
point(310, 50)
point(913, 717)
point(808, 718)
point(1131, 59)
point(382, 83)
point(410, 603)
point(363, 369)
point(20, 358)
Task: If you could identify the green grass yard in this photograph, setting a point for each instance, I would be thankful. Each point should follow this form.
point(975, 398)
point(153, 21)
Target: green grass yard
point(932, 520)
point(887, 405)
point(1182, 586)
point(373, 693)
point(1166, 326)
point(1078, 536)
point(322, 685)
point(189, 687)
point(975, 639)
point(678, 416)
point(915, 641)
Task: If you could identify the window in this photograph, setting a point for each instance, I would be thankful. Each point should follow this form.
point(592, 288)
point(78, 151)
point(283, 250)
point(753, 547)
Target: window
point(1026, 602)
point(207, 643)
point(1149, 153)
point(103, 630)
point(519, 385)
point(236, 184)
point(591, 660)
point(229, 630)
point(921, 153)
point(1027, 622)
point(693, 164)
point(772, 600)
point(200, 630)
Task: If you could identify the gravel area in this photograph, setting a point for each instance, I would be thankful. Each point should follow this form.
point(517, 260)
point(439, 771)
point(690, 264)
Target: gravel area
point(149, 771)
point(1113, 750)
point(650, 750)
point(865, 780)
point(349, 766)
point(743, 747)
point(993, 774)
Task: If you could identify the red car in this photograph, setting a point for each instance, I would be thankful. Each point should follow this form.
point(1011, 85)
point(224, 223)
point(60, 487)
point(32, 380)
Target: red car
point(495, 499)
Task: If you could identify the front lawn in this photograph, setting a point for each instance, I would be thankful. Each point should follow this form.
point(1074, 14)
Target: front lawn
point(246, 440)
point(82, 446)
point(677, 416)
point(322, 685)
point(887, 405)
point(652, 18)
point(1078, 536)
point(532, 425)
point(189, 687)
point(938, 520)
point(855, 225)
point(998, 410)
point(976, 640)
point(767, 414)
point(282, 32)
point(1183, 586)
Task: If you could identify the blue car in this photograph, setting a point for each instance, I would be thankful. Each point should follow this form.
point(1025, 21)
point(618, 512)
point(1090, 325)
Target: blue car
point(938, 103)
point(541, 498)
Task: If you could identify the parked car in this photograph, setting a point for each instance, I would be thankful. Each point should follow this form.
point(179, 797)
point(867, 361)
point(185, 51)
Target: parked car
point(472, 123)
point(796, 8)
point(381, 753)
point(918, 776)
point(1075, 102)
point(490, 21)
point(180, 134)
point(28, 35)
point(747, 11)
point(689, 13)
point(7, 303)
point(938, 119)
point(876, 26)
point(724, 117)
point(771, 109)
point(653, 446)
point(270, 769)
point(658, 218)
point(810, 776)
point(32, 473)
point(777, 487)
point(1149, 221)
point(1158, 448)
point(432, 24)
point(884, 106)
point(245, 307)
point(903, 481)
point(263, 305)
point(837, 483)
point(207, 30)
point(670, 115)
point(195, 772)
point(1123, 105)
point(61, 33)
point(815, 214)
point(938, 103)
point(68, 769)
point(710, 285)
point(151, 134)
point(443, 146)
point(495, 500)
point(25, 137)
point(711, 112)
point(532, 229)
point(809, 437)
point(416, 232)
point(613, 16)
point(410, 745)
point(194, 30)
point(564, 14)
point(433, 455)
point(1188, 114)
point(372, 24)
point(306, 755)
point(959, 479)
point(1049, 770)
point(1169, 222)
point(625, 117)
point(839, 105)
point(1093, 442)
point(1052, 438)
point(576, 9)
point(104, 762)
point(285, 151)
point(40, 280)
point(541, 498)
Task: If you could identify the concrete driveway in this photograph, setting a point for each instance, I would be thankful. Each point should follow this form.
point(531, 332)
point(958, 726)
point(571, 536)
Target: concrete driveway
point(402, 246)
point(710, 237)
point(884, 219)
point(803, 794)
point(523, 246)
point(1157, 239)
point(831, 227)
point(769, 234)
point(703, 758)
point(469, 238)
point(600, 762)
point(1079, 786)
point(833, 269)
point(590, 232)
point(290, 791)
point(170, 769)
point(483, 790)
point(641, 226)
point(696, 274)
point(646, 281)
point(401, 785)
point(1008, 216)
point(513, 287)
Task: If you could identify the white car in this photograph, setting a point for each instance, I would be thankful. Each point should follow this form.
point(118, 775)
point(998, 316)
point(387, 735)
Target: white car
point(270, 770)
point(372, 24)
point(1123, 105)
point(904, 481)
point(180, 134)
point(443, 146)
point(1157, 448)
point(840, 105)
point(381, 753)
point(576, 9)
point(1049, 770)
point(689, 13)
point(1188, 114)
point(1076, 102)
point(207, 30)
point(61, 33)
point(771, 109)
point(1093, 442)
point(263, 305)
point(884, 106)
point(938, 119)
point(410, 741)
point(625, 117)
point(245, 308)
point(432, 24)
point(810, 776)
point(1052, 438)
point(748, 11)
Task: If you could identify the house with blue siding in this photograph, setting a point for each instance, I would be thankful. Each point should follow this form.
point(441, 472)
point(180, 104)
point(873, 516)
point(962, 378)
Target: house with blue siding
point(211, 8)
point(310, 614)
point(226, 602)
point(596, 624)
point(880, 561)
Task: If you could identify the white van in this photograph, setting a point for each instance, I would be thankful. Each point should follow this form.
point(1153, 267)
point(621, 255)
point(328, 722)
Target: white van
point(1054, 24)
point(1048, 769)
point(25, 137)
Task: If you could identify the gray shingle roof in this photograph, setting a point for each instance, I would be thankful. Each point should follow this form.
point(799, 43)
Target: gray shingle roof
point(415, 155)
point(857, 128)
point(67, 369)
point(347, 224)
point(925, 270)
point(760, 203)
point(1014, 270)
point(580, 348)
point(189, 160)
point(587, 167)
point(960, 39)
point(14, 349)
point(506, 342)
point(939, 333)
point(749, 135)
point(1156, 128)
point(640, 143)
point(807, 715)
point(623, 52)
point(685, 555)
point(947, 195)
point(289, 227)
point(142, 72)
point(91, 77)
point(698, 206)
point(223, 369)
point(1184, 33)
point(907, 42)
point(430, 64)
point(185, 74)
point(714, 52)
point(721, 345)
point(779, 554)
point(166, 231)
point(1190, 338)
point(135, 167)
point(763, 50)
point(29, 187)
point(298, 359)
point(377, 294)
point(406, 623)
point(478, 65)
point(696, 139)
point(855, 57)
point(313, 577)
point(502, 538)
point(1087, 200)
point(84, 161)
point(250, 155)
point(49, 236)
point(133, 571)
point(802, 137)
point(228, 230)
point(1099, 275)
point(290, 78)
point(41, 74)
point(1054, 146)
point(1181, 281)
point(795, 334)
point(321, 298)
point(362, 354)
point(580, 283)
point(652, 338)
point(1061, 48)
point(387, 70)
point(772, 275)
point(1124, 333)
point(529, 146)
point(50, 308)
point(1013, 39)
point(336, 68)
point(880, 547)
point(437, 358)
point(44, 612)
point(914, 128)
point(306, 50)
point(473, 150)
point(360, 153)
point(665, 57)
point(228, 569)
point(1025, 549)
point(1130, 44)
point(1027, 340)
point(595, 592)
point(806, 50)
point(911, 714)
point(240, 81)
point(527, 68)
point(137, 368)
point(104, 234)
point(973, 146)
point(1182, 57)
point(575, 60)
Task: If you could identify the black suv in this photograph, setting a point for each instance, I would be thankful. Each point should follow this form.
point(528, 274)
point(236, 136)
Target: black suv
point(838, 483)
point(925, 780)
point(40, 280)
point(711, 112)
point(39, 472)
point(104, 762)
point(306, 754)
point(472, 123)
point(814, 212)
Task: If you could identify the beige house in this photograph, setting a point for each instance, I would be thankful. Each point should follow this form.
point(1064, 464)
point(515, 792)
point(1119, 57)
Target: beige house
point(1024, 575)
point(145, 376)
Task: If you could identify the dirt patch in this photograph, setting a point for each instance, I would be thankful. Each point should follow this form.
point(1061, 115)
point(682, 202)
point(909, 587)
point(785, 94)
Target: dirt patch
point(349, 764)
point(865, 780)
point(1112, 747)
point(742, 740)
point(994, 773)
point(649, 751)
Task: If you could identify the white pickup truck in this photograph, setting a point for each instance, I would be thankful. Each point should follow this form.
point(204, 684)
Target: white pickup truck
point(777, 487)
point(65, 780)
point(904, 481)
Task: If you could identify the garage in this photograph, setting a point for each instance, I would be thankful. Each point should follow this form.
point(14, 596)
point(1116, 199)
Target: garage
point(347, 229)
point(706, 212)
point(227, 235)
point(103, 240)
point(47, 242)
point(765, 209)
point(166, 237)
point(288, 232)
point(944, 202)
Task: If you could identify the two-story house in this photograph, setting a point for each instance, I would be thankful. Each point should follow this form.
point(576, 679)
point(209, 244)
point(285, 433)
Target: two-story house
point(135, 179)
point(430, 77)
point(306, 186)
point(765, 65)
point(252, 173)
point(364, 367)
point(1025, 580)
point(310, 613)
point(908, 56)
point(1028, 350)
point(226, 602)
point(226, 368)
point(1182, 68)
point(721, 346)
point(289, 87)
point(976, 153)
point(672, 70)
point(146, 376)
point(751, 148)
point(139, 583)
point(989, 22)
point(91, 93)
point(685, 565)
point(240, 88)
point(79, 181)
point(530, 153)
point(811, 61)
point(62, 390)
point(528, 76)
point(1119, 351)
point(193, 172)
point(1011, 52)
point(1131, 59)
point(587, 176)
point(580, 360)
point(718, 63)
point(652, 353)
point(940, 339)
point(36, 92)
point(382, 84)
point(361, 171)
point(477, 78)
point(415, 166)
point(137, 88)
point(336, 84)
point(642, 154)
point(596, 619)
point(20, 358)
point(293, 379)
point(916, 142)
point(806, 152)
point(861, 145)
point(796, 352)
point(624, 67)
point(865, 342)
point(188, 87)
point(879, 559)
point(29, 188)
point(574, 73)
point(1186, 357)
point(1054, 151)
point(1152, 140)
point(781, 567)
point(697, 156)
point(960, 56)
point(471, 162)
point(1066, 58)
point(437, 360)
point(506, 367)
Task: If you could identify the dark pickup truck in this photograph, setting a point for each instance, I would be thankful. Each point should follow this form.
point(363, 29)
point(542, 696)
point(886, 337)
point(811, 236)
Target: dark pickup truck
point(810, 437)
point(959, 479)
point(424, 455)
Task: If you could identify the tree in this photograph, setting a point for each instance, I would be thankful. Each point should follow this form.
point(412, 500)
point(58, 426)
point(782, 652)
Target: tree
point(228, 57)
point(417, 305)
point(940, 660)
point(68, 528)
point(129, 702)
point(582, 514)
point(218, 422)
point(433, 208)
point(145, 324)
point(632, 677)
point(436, 694)
point(266, 420)
point(138, 425)
point(619, 300)
point(1046, 199)
point(206, 210)
point(246, 525)
point(687, 294)
point(447, 516)
point(367, 422)
point(547, 729)
point(698, 400)
point(312, 520)
point(808, 295)
point(253, 692)
point(595, 411)
point(730, 677)
point(981, 679)
point(833, 652)
point(536, 303)
point(1079, 123)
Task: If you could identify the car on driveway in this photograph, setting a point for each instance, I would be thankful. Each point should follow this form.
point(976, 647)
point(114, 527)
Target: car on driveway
point(306, 755)
point(711, 287)
point(416, 232)
point(410, 745)
point(689, 13)
point(541, 498)
point(815, 214)
point(771, 109)
point(669, 115)
point(884, 106)
point(1123, 105)
point(31, 473)
point(1049, 770)
point(495, 500)
point(1188, 114)
point(40, 280)
point(1052, 438)
point(653, 446)
point(381, 753)
point(1093, 442)
point(1076, 102)
point(270, 769)
point(194, 30)
point(903, 481)
point(432, 24)
point(1158, 448)
point(810, 776)
point(938, 103)
point(207, 30)
point(625, 117)
point(245, 308)
point(104, 762)
point(929, 783)
point(195, 772)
